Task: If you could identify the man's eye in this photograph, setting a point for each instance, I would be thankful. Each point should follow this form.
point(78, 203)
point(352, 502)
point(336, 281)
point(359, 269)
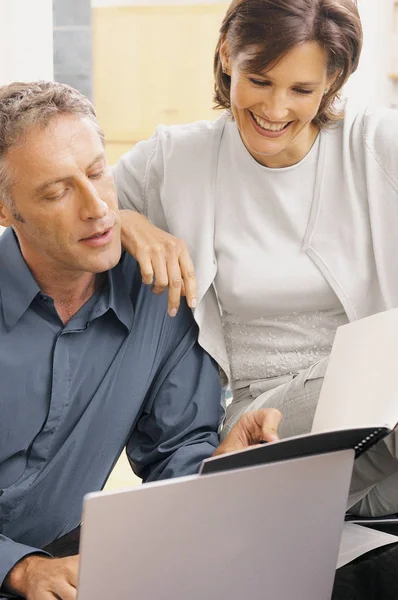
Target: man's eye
point(96, 175)
point(56, 196)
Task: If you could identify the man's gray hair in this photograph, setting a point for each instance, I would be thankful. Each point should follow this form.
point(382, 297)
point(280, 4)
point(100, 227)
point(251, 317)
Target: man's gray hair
point(24, 105)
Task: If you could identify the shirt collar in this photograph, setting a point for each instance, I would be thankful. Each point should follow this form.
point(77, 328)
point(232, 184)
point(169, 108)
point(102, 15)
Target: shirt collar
point(18, 287)
point(118, 297)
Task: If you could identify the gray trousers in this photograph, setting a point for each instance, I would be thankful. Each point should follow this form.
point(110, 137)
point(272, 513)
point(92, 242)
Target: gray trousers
point(374, 484)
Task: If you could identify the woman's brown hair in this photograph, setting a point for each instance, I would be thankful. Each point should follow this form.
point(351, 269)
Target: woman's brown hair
point(275, 27)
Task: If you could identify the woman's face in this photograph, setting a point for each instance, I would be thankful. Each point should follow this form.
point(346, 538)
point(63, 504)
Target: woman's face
point(274, 111)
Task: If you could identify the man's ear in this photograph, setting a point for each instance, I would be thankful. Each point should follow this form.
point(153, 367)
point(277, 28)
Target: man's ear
point(6, 219)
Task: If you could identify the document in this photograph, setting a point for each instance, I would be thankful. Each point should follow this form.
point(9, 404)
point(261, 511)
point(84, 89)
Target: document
point(357, 540)
point(357, 407)
point(360, 386)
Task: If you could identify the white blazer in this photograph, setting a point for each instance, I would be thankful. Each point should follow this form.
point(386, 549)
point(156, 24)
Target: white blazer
point(352, 232)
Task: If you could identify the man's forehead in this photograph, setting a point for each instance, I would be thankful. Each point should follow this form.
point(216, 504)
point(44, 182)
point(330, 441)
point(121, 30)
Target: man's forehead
point(64, 143)
point(65, 134)
point(54, 180)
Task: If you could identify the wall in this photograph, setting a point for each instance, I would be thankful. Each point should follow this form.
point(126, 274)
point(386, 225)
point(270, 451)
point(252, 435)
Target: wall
point(152, 64)
point(371, 83)
point(73, 44)
point(118, 3)
point(26, 40)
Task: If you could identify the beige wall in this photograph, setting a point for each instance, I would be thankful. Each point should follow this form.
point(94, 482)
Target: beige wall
point(152, 65)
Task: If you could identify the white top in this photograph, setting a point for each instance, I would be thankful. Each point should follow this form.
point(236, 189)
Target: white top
point(351, 235)
point(279, 314)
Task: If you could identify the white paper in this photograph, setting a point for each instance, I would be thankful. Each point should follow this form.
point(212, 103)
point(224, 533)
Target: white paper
point(360, 387)
point(357, 540)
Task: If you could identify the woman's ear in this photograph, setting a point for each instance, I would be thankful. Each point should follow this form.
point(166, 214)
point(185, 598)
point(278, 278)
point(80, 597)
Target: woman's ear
point(331, 80)
point(224, 56)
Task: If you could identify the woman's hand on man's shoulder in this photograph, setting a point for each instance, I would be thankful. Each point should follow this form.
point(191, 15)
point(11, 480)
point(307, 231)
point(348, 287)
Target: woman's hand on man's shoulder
point(164, 260)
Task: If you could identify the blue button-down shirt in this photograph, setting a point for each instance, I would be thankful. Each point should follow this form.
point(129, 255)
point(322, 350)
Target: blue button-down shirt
point(120, 373)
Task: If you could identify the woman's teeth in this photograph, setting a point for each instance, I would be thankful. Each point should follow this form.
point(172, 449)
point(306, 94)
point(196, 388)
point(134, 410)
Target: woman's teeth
point(268, 126)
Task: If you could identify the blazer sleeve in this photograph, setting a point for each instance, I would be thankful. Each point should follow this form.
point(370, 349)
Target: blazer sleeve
point(380, 134)
point(138, 175)
point(178, 427)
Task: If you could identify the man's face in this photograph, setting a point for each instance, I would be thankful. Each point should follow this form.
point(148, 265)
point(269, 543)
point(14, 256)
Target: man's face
point(65, 203)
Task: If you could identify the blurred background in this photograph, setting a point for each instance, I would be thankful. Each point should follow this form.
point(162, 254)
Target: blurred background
point(145, 62)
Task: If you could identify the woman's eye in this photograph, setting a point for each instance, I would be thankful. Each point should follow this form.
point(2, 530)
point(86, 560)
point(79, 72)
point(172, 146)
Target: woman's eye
point(305, 92)
point(259, 82)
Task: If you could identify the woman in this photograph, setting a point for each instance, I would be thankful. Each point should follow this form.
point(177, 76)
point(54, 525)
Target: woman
point(286, 205)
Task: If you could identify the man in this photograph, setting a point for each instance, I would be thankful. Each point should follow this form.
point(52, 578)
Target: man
point(90, 361)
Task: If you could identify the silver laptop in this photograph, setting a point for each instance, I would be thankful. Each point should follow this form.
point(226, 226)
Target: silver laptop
point(268, 531)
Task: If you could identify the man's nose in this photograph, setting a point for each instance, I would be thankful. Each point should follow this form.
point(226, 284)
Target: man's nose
point(92, 206)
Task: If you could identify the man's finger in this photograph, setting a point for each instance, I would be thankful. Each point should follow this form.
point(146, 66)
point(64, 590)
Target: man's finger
point(65, 591)
point(188, 276)
point(268, 420)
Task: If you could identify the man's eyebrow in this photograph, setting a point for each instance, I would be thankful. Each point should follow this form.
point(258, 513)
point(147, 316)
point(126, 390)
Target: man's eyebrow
point(42, 188)
point(100, 156)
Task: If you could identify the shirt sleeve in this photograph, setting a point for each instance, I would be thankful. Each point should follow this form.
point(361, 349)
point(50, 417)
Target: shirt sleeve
point(179, 423)
point(10, 553)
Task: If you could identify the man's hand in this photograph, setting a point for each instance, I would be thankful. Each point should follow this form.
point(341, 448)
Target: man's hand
point(164, 259)
point(252, 428)
point(42, 578)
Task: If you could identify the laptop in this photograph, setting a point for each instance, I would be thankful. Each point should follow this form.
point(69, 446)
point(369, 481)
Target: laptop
point(265, 531)
point(269, 530)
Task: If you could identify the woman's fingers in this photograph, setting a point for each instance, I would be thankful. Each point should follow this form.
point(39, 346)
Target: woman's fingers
point(169, 266)
point(175, 285)
point(164, 260)
point(188, 278)
point(145, 262)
